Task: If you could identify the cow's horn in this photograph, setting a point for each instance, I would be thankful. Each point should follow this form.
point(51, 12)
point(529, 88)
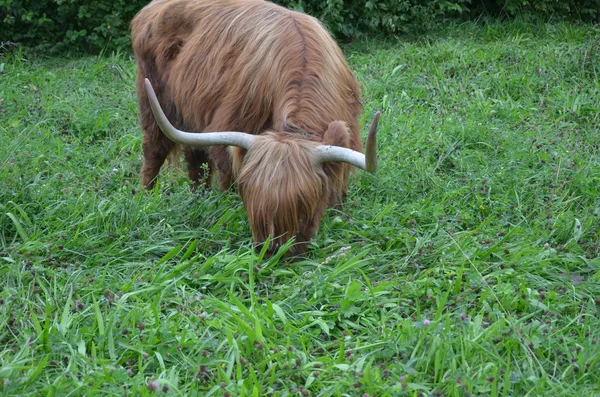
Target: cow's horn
point(225, 138)
point(367, 161)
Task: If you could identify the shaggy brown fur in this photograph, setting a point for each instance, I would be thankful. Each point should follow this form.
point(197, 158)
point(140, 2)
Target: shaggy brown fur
point(255, 67)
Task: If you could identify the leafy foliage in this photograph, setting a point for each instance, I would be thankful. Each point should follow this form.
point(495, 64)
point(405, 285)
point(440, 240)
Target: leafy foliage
point(587, 10)
point(358, 17)
point(103, 24)
point(353, 18)
point(68, 24)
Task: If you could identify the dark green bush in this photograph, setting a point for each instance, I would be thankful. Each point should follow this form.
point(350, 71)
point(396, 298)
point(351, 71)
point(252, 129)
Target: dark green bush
point(356, 17)
point(352, 18)
point(584, 10)
point(91, 25)
point(87, 25)
point(96, 24)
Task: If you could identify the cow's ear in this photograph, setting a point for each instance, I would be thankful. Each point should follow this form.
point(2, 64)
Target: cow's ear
point(337, 134)
point(237, 158)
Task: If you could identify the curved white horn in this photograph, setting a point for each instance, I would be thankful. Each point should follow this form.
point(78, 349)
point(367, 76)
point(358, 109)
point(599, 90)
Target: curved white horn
point(226, 138)
point(367, 161)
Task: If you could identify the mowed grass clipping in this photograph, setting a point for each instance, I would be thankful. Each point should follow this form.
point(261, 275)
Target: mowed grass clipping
point(467, 265)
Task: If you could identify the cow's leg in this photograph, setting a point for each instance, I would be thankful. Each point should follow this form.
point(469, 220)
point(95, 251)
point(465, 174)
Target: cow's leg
point(155, 145)
point(197, 160)
point(156, 148)
point(219, 155)
point(221, 158)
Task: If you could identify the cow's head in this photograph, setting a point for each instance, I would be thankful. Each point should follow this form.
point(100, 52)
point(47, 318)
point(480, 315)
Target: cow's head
point(286, 182)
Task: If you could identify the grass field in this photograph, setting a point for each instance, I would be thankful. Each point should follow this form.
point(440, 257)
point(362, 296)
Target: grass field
point(466, 266)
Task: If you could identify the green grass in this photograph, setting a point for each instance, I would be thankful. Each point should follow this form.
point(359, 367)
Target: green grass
point(467, 265)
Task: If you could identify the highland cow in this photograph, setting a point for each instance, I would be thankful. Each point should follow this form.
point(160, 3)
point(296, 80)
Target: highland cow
point(270, 98)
